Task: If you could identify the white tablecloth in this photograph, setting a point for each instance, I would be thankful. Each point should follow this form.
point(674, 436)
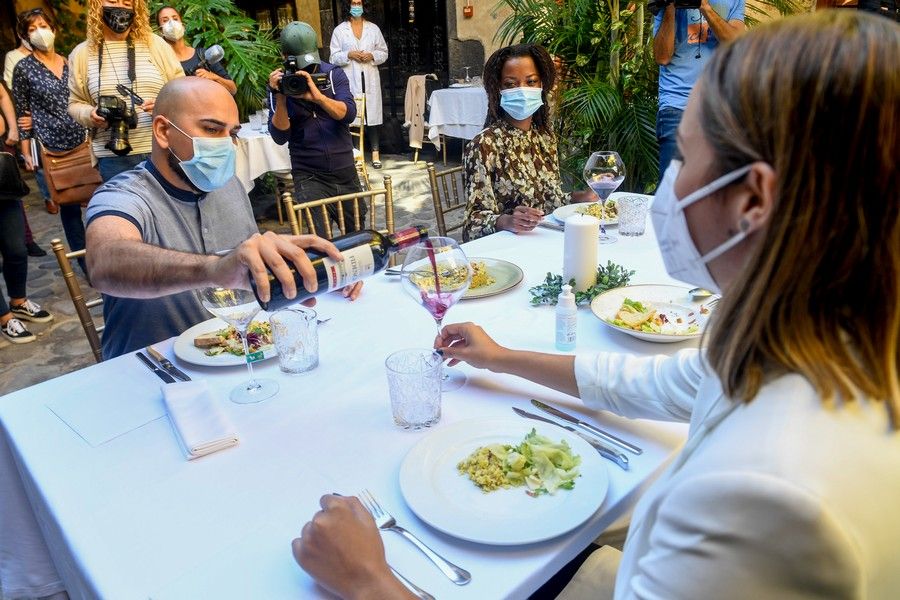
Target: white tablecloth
point(258, 154)
point(126, 516)
point(457, 112)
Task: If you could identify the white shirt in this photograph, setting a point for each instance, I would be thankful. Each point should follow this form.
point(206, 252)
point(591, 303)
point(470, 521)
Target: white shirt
point(781, 497)
point(342, 43)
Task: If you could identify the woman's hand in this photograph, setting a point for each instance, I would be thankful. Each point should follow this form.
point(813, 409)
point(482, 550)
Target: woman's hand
point(522, 219)
point(97, 121)
point(342, 550)
point(29, 163)
point(585, 196)
point(467, 342)
point(148, 105)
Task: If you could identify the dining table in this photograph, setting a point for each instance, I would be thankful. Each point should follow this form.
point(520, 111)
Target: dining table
point(457, 112)
point(258, 154)
point(96, 495)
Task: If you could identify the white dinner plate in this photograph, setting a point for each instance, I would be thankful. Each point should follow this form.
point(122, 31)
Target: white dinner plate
point(461, 85)
point(506, 276)
point(564, 212)
point(185, 349)
point(671, 300)
point(448, 501)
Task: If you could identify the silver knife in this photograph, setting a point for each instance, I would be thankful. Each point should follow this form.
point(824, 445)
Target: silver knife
point(553, 226)
point(166, 364)
point(607, 437)
point(159, 372)
point(605, 451)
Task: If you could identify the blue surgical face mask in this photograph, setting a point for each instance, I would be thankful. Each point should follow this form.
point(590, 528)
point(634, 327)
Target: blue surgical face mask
point(682, 259)
point(522, 102)
point(356, 11)
point(213, 162)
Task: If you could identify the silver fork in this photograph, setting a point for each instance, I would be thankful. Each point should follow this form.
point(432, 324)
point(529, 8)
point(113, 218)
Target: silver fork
point(419, 592)
point(384, 520)
point(712, 303)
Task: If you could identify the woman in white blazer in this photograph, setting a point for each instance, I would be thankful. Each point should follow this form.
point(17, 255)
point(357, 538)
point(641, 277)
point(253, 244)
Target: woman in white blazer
point(358, 47)
point(785, 197)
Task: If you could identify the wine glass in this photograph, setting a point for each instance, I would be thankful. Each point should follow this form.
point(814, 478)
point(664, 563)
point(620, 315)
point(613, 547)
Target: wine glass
point(237, 308)
point(436, 273)
point(604, 172)
point(468, 79)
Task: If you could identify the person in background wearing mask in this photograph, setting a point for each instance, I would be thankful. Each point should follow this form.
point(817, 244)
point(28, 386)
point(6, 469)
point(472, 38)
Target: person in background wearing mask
point(511, 168)
point(41, 91)
point(9, 63)
point(120, 50)
point(358, 47)
point(153, 233)
point(787, 485)
point(172, 28)
point(315, 126)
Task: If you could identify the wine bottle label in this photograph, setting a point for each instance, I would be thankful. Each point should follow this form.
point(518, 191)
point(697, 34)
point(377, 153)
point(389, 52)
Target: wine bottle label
point(358, 263)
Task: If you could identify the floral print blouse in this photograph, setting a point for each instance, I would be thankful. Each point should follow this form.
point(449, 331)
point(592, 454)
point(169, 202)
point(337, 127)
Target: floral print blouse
point(505, 167)
point(37, 90)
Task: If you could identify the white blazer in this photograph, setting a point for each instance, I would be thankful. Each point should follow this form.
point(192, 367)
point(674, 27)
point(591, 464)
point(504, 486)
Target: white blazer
point(779, 498)
point(342, 43)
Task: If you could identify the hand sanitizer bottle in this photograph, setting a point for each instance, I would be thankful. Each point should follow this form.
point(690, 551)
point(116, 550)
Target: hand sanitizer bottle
point(566, 320)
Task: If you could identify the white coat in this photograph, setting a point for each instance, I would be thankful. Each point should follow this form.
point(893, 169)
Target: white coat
point(342, 42)
point(779, 498)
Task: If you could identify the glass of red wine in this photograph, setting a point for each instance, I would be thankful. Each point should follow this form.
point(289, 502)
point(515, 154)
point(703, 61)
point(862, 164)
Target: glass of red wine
point(436, 273)
point(604, 172)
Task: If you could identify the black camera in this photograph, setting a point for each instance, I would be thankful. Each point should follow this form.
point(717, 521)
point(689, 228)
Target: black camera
point(120, 118)
point(294, 84)
point(655, 6)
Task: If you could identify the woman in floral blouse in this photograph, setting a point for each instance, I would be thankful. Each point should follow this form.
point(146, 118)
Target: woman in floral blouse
point(512, 167)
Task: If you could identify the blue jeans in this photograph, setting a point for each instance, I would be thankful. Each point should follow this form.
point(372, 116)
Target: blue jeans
point(42, 184)
point(667, 120)
point(111, 166)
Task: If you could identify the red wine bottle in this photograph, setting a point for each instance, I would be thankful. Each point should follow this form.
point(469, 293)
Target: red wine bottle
point(365, 252)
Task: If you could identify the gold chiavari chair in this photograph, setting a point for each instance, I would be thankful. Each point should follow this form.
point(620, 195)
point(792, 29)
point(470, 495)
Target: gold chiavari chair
point(301, 215)
point(358, 130)
point(82, 307)
point(448, 194)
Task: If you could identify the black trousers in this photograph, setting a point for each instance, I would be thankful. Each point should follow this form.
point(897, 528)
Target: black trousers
point(13, 251)
point(310, 185)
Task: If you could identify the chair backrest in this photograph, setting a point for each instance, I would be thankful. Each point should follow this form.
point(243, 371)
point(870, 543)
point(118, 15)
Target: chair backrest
point(448, 194)
point(82, 307)
point(358, 131)
point(301, 214)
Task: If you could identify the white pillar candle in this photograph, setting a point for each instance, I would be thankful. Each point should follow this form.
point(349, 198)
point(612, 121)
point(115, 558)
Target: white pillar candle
point(580, 251)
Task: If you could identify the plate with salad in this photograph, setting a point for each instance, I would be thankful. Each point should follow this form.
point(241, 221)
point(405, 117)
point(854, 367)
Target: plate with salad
point(215, 343)
point(503, 481)
point(655, 313)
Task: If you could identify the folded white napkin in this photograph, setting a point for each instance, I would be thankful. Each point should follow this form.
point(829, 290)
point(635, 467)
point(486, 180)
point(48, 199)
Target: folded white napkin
point(200, 425)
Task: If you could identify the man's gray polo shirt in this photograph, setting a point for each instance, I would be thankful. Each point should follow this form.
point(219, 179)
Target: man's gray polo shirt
point(176, 220)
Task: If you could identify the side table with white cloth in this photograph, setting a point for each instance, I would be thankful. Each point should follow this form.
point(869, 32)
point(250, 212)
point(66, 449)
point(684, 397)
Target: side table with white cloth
point(91, 473)
point(258, 154)
point(456, 112)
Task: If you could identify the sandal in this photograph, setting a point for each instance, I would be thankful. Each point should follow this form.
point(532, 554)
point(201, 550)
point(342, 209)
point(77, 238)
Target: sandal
point(376, 164)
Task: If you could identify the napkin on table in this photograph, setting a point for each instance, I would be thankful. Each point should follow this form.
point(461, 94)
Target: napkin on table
point(200, 425)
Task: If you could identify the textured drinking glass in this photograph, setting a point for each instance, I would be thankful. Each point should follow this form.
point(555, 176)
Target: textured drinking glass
point(254, 122)
point(414, 380)
point(296, 335)
point(263, 119)
point(633, 215)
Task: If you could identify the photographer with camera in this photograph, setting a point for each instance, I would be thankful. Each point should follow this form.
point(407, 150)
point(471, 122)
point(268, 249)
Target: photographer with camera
point(313, 107)
point(685, 34)
point(114, 80)
point(200, 62)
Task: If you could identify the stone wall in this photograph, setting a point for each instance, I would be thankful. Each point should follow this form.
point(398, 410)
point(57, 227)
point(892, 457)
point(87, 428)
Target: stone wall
point(471, 41)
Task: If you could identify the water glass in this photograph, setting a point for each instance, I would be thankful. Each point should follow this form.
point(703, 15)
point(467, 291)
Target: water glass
point(254, 121)
point(414, 379)
point(263, 119)
point(296, 335)
point(633, 215)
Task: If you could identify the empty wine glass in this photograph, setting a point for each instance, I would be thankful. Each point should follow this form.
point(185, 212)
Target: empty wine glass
point(604, 172)
point(436, 273)
point(237, 308)
point(468, 79)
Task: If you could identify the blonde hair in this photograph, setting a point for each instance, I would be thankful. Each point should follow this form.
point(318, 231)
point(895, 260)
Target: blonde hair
point(818, 98)
point(140, 27)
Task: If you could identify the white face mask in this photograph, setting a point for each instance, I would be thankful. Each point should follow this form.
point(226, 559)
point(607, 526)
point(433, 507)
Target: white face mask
point(42, 38)
point(173, 30)
point(683, 260)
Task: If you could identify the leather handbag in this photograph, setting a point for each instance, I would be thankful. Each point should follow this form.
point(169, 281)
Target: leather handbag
point(12, 186)
point(71, 178)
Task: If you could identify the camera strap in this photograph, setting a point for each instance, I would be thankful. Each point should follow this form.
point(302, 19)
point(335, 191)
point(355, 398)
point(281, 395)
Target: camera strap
point(132, 68)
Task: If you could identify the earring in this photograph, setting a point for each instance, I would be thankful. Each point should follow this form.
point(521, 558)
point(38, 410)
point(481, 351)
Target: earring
point(744, 224)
